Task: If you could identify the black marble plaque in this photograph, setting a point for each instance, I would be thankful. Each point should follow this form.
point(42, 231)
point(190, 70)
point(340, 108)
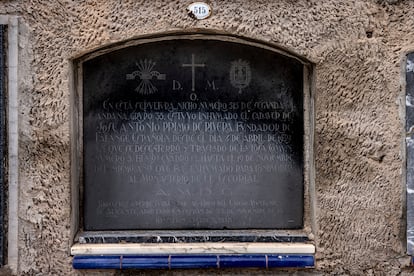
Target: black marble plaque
point(192, 134)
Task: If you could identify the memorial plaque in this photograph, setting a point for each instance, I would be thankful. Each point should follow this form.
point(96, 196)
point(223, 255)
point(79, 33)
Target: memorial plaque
point(192, 134)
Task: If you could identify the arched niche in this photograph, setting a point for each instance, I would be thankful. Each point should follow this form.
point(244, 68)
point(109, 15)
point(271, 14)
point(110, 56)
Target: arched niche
point(192, 132)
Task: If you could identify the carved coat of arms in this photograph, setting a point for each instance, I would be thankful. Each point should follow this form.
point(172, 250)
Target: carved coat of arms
point(145, 73)
point(240, 74)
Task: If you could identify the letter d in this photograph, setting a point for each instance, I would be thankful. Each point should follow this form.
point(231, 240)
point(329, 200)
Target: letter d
point(176, 85)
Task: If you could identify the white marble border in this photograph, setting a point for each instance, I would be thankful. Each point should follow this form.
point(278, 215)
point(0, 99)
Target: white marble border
point(192, 248)
point(12, 124)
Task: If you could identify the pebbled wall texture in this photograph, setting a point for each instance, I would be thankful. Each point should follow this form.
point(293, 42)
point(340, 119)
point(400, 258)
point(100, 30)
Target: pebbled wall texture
point(357, 48)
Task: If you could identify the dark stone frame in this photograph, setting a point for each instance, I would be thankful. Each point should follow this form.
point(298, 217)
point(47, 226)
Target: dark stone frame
point(3, 78)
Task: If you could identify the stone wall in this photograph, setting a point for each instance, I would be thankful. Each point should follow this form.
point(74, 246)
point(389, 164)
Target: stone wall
point(357, 47)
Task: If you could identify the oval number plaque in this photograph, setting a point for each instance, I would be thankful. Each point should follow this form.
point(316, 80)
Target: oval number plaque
point(199, 10)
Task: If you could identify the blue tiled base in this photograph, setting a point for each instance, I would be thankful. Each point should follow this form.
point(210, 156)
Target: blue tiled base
point(192, 261)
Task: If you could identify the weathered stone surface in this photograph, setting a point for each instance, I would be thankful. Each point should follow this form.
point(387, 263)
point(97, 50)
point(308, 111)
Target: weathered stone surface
point(357, 47)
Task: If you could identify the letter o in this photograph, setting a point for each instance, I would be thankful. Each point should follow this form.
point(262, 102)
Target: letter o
point(193, 97)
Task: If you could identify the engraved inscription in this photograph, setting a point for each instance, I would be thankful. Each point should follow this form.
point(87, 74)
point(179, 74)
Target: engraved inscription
point(197, 154)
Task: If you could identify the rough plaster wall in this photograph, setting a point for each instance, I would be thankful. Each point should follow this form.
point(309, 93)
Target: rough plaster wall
point(358, 131)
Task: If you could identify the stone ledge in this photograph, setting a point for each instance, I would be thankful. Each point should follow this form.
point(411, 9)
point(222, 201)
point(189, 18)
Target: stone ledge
point(192, 248)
